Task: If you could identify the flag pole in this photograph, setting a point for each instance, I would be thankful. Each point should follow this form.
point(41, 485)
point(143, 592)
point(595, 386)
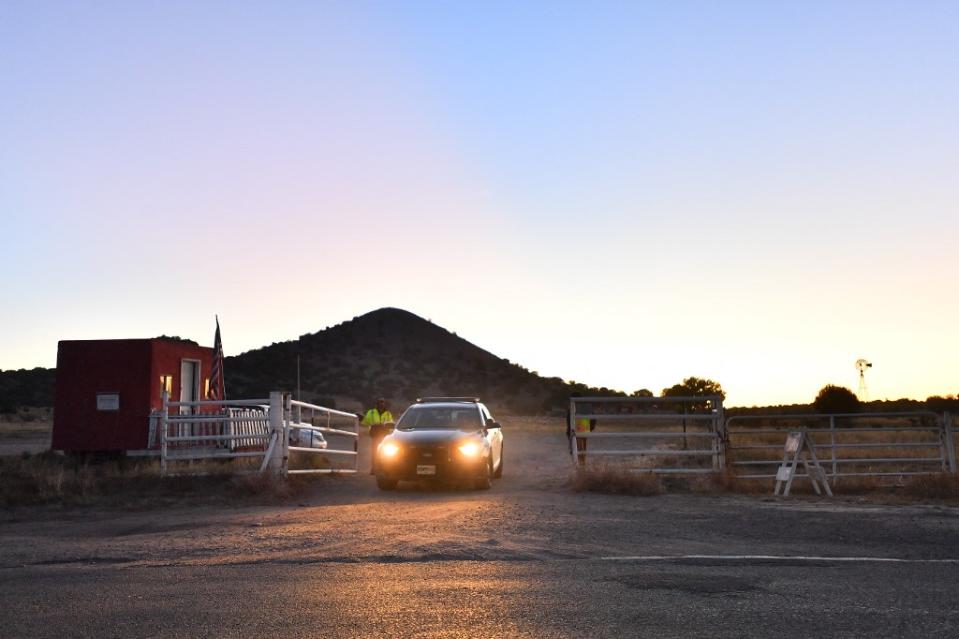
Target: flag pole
point(217, 381)
point(222, 372)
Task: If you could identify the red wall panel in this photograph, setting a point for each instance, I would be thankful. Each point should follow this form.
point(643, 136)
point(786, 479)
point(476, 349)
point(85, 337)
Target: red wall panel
point(130, 368)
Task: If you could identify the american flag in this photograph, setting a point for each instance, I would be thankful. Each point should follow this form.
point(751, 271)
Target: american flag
point(217, 386)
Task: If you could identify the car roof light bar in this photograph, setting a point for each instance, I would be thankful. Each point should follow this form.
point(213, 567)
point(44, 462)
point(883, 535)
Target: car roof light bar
point(432, 400)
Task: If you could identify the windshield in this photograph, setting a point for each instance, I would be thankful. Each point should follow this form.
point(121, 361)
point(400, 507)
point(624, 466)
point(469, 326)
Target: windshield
point(441, 417)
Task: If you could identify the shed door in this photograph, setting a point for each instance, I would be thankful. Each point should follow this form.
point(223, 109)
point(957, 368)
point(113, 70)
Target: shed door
point(189, 383)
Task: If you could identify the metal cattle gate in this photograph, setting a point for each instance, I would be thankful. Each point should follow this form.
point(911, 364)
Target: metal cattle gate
point(690, 435)
point(334, 425)
point(850, 445)
point(668, 435)
point(270, 429)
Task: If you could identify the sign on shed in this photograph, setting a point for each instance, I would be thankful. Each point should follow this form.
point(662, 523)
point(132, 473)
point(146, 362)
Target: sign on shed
point(108, 401)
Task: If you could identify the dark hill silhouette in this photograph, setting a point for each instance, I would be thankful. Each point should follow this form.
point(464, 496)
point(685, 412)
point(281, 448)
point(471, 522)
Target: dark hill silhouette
point(397, 354)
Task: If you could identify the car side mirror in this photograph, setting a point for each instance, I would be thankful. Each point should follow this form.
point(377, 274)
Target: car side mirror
point(492, 423)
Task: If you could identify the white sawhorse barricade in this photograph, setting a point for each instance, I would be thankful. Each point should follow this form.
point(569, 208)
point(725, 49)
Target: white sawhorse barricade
point(798, 443)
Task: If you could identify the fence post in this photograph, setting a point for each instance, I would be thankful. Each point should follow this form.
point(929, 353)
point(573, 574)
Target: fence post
point(719, 457)
point(950, 441)
point(832, 443)
point(287, 418)
point(164, 425)
point(276, 428)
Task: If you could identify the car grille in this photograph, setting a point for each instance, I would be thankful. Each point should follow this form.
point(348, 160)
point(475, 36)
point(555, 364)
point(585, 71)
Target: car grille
point(430, 454)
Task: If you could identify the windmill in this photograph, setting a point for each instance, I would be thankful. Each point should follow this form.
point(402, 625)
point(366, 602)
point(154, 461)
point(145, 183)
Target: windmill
point(861, 366)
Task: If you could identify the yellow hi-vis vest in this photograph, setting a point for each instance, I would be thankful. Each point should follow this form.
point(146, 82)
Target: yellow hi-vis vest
point(374, 417)
point(582, 425)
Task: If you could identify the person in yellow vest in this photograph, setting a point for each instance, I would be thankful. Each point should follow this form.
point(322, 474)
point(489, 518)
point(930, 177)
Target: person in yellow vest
point(379, 420)
point(582, 425)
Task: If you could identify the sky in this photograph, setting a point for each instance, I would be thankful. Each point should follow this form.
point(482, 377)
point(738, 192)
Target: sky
point(618, 193)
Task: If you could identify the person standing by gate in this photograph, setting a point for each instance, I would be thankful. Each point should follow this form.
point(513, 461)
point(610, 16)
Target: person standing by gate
point(582, 425)
point(379, 420)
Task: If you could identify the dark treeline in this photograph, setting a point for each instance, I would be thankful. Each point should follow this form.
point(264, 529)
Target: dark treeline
point(26, 388)
point(396, 354)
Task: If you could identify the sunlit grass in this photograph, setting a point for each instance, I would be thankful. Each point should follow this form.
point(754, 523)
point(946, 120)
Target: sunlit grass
point(50, 478)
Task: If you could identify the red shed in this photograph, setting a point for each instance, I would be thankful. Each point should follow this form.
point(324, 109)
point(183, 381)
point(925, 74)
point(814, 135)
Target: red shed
point(106, 389)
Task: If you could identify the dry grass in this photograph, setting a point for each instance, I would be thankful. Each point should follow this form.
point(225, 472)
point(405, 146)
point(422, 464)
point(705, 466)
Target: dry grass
point(27, 422)
point(940, 486)
point(309, 461)
point(711, 484)
point(48, 478)
point(840, 486)
point(616, 480)
point(621, 479)
point(27, 415)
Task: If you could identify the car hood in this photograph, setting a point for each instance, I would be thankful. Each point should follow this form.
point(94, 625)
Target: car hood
point(430, 437)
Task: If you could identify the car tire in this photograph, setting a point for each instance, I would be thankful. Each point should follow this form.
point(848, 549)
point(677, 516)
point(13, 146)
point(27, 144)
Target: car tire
point(484, 481)
point(498, 474)
point(385, 484)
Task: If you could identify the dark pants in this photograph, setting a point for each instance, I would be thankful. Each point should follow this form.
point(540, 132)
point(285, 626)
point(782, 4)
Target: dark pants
point(377, 433)
point(581, 447)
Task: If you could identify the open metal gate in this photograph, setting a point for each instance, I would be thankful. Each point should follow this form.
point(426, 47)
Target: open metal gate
point(322, 439)
point(680, 435)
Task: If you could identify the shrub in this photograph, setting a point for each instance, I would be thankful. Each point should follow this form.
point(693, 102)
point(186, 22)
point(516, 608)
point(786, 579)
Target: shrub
point(836, 399)
point(616, 480)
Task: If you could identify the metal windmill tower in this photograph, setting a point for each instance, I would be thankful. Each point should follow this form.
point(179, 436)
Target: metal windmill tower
point(861, 366)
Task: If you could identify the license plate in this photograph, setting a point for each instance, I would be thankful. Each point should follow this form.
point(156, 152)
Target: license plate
point(425, 469)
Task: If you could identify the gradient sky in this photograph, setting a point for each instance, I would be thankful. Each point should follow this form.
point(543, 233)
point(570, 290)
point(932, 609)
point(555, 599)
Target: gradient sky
point(622, 194)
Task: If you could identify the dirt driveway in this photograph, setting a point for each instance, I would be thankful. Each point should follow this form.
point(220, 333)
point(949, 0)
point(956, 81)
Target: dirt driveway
point(527, 558)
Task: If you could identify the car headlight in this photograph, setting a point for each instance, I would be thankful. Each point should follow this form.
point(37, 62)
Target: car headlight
point(389, 449)
point(470, 449)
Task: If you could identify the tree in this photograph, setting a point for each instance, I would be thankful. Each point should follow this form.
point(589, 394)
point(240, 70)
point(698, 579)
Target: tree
point(642, 392)
point(695, 387)
point(942, 404)
point(836, 399)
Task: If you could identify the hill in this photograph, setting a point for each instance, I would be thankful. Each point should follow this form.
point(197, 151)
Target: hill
point(397, 354)
point(388, 352)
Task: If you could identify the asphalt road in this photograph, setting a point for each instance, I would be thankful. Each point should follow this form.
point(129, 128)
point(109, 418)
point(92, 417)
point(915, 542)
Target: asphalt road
point(528, 558)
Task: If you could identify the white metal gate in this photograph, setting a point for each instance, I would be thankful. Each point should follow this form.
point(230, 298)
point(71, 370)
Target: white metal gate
point(850, 445)
point(681, 435)
point(300, 426)
point(269, 429)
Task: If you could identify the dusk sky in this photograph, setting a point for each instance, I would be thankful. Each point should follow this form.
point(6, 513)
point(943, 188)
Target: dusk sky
point(622, 194)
